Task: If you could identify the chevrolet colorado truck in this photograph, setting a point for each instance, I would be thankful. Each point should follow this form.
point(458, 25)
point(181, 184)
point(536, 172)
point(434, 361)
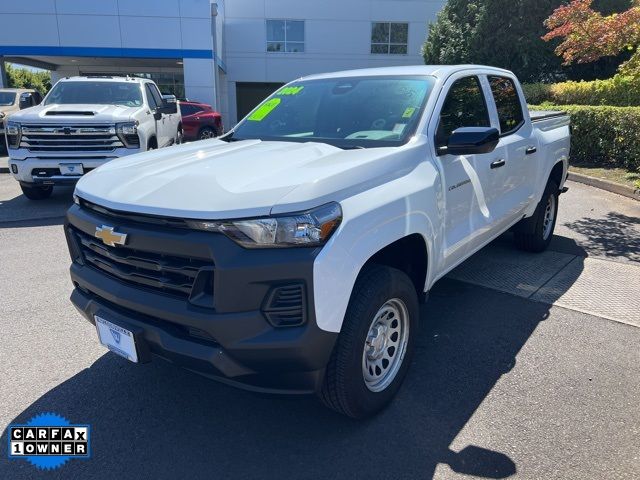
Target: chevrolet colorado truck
point(84, 122)
point(291, 254)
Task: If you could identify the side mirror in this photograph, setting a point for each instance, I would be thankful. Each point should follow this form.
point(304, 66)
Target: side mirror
point(25, 101)
point(169, 104)
point(472, 141)
point(169, 98)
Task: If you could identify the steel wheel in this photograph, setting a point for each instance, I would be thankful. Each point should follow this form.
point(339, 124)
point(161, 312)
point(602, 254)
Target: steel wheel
point(386, 345)
point(549, 217)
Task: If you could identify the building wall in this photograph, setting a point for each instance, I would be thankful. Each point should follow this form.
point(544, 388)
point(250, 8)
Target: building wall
point(114, 28)
point(337, 37)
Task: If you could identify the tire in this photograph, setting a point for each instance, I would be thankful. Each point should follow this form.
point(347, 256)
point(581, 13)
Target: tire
point(206, 133)
point(36, 192)
point(179, 136)
point(534, 234)
point(152, 145)
point(346, 388)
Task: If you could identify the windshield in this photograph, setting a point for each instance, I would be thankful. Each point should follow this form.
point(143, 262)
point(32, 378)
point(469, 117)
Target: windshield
point(101, 93)
point(7, 98)
point(345, 112)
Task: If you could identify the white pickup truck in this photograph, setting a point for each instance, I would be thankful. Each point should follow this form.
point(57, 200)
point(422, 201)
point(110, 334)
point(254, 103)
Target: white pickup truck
point(291, 254)
point(84, 122)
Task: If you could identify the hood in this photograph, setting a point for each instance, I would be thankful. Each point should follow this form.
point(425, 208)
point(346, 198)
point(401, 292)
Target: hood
point(75, 113)
point(214, 179)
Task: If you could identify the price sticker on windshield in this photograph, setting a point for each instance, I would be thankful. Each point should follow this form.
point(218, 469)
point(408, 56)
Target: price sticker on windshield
point(408, 113)
point(265, 109)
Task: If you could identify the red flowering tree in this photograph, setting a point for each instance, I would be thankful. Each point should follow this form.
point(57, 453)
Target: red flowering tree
point(587, 35)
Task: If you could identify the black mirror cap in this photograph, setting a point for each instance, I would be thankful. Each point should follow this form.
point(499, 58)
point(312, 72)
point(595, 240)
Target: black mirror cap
point(472, 141)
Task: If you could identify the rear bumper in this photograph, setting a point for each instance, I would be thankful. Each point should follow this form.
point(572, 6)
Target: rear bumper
point(232, 340)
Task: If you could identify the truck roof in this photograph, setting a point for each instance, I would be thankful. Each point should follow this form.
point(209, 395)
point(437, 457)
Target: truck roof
point(106, 78)
point(440, 71)
point(17, 90)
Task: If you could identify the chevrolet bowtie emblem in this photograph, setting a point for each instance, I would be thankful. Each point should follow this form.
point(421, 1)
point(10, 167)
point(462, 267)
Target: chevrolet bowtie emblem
point(109, 237)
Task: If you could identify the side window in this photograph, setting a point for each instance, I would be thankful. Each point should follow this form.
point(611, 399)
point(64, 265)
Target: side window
point(508, 104)
point(189, 109)
point(153, 96)
point(464, 106)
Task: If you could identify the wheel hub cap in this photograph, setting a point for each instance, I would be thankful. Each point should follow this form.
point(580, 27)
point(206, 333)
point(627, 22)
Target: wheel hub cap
point(385, 345)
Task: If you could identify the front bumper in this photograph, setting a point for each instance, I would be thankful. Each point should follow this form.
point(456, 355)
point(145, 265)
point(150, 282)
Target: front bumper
point(45, 169)
point(231, 339)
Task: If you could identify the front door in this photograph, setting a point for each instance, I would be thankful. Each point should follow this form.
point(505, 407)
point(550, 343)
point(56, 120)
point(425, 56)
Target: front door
point(470, 181)
point(155, 104)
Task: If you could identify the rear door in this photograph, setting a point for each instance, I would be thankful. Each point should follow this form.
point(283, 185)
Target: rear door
point(517, 144)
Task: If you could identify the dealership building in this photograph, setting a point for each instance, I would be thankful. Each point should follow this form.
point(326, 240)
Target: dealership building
point(230, 53)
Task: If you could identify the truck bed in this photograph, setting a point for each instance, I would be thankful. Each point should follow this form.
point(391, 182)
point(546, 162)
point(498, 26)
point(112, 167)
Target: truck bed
point(546, 120)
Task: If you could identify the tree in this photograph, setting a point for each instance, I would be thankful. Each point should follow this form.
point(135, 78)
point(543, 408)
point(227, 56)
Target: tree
point(507, 33)
point(23, 78)
point(588, 35)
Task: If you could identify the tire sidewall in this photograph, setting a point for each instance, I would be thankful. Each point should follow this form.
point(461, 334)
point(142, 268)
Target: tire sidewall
point(551, 189)
point(397, 285)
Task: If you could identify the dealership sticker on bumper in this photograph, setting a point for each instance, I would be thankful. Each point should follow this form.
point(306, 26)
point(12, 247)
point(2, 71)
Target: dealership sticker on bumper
point(117, 339)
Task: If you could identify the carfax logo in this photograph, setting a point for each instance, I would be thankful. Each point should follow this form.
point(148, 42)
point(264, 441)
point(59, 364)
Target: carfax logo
point(48, 441)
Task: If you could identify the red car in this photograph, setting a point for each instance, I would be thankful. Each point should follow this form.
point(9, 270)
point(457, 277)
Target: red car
point(199, 121)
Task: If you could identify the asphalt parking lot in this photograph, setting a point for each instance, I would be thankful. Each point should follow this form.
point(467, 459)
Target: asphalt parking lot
point(528, 366)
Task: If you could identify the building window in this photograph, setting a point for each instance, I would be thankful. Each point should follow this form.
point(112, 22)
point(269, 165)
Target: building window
point(389, 38)
point(285, 36)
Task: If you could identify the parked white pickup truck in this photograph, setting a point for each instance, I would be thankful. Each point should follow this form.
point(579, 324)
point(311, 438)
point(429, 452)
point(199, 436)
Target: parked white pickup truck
point(291, 254)
point(84, 122)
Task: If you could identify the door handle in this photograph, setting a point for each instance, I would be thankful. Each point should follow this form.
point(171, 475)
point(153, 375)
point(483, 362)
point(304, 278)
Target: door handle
point(498, 163)
point(531, 150)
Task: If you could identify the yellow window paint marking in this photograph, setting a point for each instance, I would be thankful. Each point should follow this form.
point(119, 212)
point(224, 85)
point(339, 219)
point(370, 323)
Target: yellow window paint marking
point(265, 109)
point(290, 90)
point(408, 113)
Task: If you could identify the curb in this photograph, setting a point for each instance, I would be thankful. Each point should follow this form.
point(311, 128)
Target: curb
point(607, 185)
point(4, 169)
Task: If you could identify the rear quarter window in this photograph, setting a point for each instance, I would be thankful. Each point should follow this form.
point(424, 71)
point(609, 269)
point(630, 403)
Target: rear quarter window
point(508, 104)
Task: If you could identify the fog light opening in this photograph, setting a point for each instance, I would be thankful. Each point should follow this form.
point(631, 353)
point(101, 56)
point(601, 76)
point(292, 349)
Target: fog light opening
point(14, 168)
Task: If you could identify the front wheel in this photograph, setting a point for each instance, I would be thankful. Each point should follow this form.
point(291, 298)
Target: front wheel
point(206, 133)
point(374, 349)
point(37, 192)
point(534, 234)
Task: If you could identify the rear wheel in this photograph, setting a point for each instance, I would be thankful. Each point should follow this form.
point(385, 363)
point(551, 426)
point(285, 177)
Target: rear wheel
point(374, 349)
point(534, 234)
point(37, 192)
point(206, 133)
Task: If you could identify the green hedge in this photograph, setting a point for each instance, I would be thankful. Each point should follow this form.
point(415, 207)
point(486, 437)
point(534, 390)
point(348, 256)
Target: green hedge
point(617, 91)
point(603, 135)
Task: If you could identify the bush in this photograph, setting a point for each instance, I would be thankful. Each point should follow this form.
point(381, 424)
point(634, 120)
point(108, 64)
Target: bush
point(617, 91)
point(603, 135)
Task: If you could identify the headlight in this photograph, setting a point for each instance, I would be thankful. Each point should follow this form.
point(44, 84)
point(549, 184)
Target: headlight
point(128, 134)
point(13, 133)
point(306, 229)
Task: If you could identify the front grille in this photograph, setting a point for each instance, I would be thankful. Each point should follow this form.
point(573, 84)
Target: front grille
point(170, 274)
point(70, 138)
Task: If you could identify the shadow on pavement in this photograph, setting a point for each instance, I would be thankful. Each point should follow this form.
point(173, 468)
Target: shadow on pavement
point(615, 235)
point(157, 421)
point(19, 211)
